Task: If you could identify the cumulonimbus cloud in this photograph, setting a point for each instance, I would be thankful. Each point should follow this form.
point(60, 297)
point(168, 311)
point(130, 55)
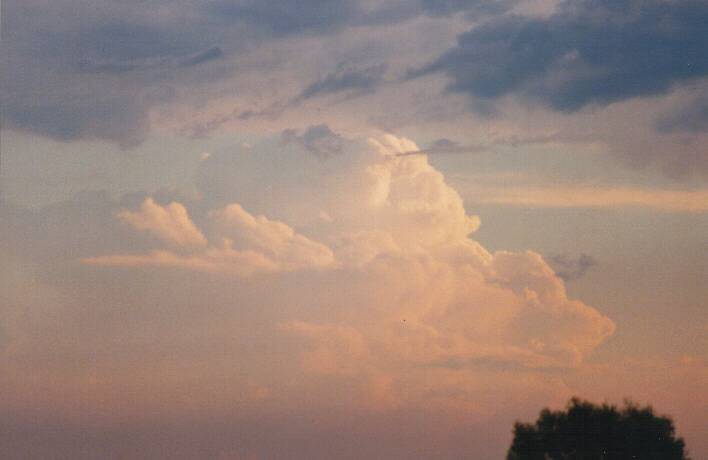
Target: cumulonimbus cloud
point(405, 287)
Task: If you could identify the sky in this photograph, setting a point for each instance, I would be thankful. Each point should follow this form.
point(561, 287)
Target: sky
point(240, 229)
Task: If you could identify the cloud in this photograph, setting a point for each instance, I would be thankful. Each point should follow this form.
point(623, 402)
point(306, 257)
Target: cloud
point(67, 55)
point(387, 307)
point(210, 54)
point(119, 72)
point(419, 290)
point(169, 223)
point(568, 268)
point(693, 117)
point(223, 260)
point(355, 81)
point(272, 238)
point(311, 16)
point(589, 52)
point(121, 118)
point(317, 139)
point(694, 201)
point(123, 40)
point(97, 75)
point(118, 66)
point(443, 145)
point(242, 244)
point(448, 7)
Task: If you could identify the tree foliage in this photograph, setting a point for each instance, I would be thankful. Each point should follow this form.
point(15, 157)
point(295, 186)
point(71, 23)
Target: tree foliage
point(585, 431)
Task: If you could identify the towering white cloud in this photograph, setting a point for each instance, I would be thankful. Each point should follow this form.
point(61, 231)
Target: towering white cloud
point(393, 293)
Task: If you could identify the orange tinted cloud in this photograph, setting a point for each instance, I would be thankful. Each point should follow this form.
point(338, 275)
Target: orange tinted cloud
point(414, 291)
point(393, 294)
point(169, 223)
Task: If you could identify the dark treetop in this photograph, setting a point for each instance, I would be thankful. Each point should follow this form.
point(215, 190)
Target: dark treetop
point(585, 431)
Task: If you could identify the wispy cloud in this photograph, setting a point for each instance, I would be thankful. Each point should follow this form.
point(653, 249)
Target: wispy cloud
point(358, 81)
point(588, 197)
point(443, 146)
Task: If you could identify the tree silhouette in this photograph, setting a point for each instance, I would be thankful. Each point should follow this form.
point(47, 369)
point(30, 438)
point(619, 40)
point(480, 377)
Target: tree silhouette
point(585, 431)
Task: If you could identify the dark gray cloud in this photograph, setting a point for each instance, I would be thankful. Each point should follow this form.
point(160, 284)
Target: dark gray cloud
point(444, 145)
point(118, 117)
point(693, 117)
point(322, 16)
point(212, 53)
point(70, 72)
point(113, 66)
point(352, 83)
point(284, 18)
point(75, 73)
point(589, 52)
point(569, 268)
point(448, 7)
point(317, 139)
point(121, 40)
point(355, 80)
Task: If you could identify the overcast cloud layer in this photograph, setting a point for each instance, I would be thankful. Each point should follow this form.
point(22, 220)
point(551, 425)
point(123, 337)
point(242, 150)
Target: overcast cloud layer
point(119, 72)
